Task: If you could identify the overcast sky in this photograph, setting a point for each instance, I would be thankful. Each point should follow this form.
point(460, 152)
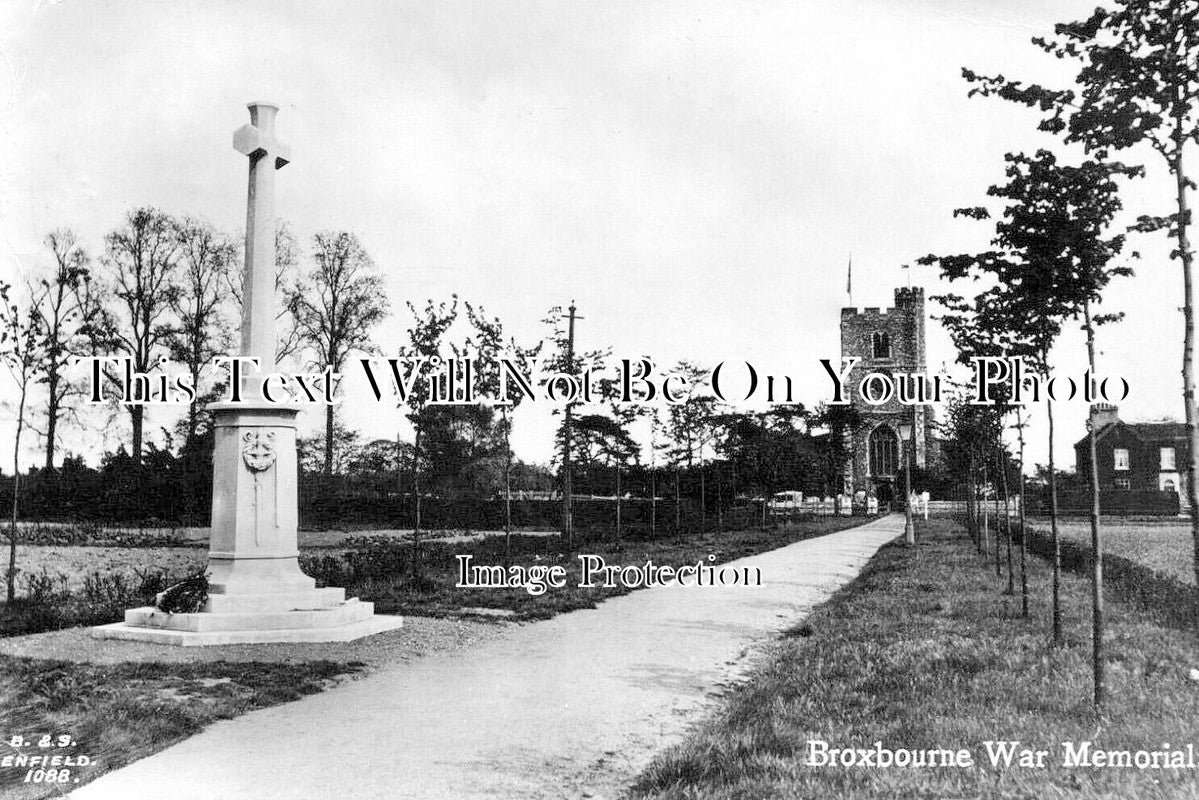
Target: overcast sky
point(694, 175)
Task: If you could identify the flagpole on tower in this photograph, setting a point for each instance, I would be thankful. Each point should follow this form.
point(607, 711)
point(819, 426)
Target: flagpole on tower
point(849, 281)
point(907, 268)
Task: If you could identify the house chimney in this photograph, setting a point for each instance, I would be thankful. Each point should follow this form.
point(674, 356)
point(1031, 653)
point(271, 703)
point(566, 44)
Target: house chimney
point(1103, 414)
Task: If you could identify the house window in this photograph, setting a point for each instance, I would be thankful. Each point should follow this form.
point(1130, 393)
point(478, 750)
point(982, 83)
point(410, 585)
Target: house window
point(1168, 459)
point(881, 344)
point(1123, 484)
point(1120, 458)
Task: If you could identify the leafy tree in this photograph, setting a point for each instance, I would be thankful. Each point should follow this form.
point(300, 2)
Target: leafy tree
point(1052, 261)
point(768, 451)
point(312, 449)
point(1137, 84)
point(379, 457)
point(488, 341)
point(841, 421)
point(337, 306)
point(689, 423)
point(563, 356)
point(426, 336)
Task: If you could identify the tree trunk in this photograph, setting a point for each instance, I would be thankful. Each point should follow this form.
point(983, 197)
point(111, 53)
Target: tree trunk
point(1053, 532)
point(998, 563)
point(507, 491)
point(399, 466)
point(1096, 537)
point(618, 503)
point(328, 440)
point(16, 492)
point(136, 417)
point(193, 408)
point(567, 484)
point(719, 500)
point(1188, 349)
point(972, 503)
point(1023, 527)
point(653, 503)
point(677, 510)
point(12, 534)
point(1007, 524)
point(984, 534)
point(52, 379)
point(416, 553)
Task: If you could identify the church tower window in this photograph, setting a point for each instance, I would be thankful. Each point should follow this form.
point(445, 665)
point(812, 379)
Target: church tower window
point(884, 452)
point(881, 344)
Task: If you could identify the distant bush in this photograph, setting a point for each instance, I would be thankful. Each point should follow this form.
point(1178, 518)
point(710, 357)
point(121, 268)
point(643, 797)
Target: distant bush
point(93, 534)
point(1152, 503)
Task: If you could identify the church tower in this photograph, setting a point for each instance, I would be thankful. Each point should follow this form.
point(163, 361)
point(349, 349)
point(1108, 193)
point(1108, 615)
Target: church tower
point(889, 341)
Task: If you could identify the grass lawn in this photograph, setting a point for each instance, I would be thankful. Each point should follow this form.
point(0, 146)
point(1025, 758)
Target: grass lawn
point(1163, 545)
point(923, 651)
point(384, 575)
point(118, 713)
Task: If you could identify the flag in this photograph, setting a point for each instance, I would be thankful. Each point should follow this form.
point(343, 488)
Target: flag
point(849, 279)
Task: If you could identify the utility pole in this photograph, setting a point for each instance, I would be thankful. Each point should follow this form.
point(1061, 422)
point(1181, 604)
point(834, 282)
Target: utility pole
point(567, 477)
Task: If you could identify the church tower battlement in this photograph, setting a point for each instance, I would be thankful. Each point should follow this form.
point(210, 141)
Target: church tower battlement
point(888, 341)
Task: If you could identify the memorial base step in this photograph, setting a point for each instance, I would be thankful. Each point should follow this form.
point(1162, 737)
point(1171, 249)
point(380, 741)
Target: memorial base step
point(377, 623)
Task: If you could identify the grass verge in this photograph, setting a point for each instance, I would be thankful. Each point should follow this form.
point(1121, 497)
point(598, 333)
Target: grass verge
point(923, 651)
point(118, 713)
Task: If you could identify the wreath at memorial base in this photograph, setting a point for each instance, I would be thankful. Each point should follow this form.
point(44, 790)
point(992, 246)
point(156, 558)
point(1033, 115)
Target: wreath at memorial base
point(186, 597)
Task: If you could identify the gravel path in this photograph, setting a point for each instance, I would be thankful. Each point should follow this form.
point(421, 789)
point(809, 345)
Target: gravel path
point(574, 706)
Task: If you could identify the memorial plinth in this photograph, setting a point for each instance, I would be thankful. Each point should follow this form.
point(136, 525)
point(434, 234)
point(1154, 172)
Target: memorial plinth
point(257, 591)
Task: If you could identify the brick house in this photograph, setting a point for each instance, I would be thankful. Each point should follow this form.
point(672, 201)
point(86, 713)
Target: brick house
point(1135, 456)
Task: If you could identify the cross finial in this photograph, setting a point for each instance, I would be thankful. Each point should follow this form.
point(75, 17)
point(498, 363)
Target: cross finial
point(257, 140)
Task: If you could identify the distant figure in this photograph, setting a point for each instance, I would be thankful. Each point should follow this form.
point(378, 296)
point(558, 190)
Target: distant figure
point(872, 505)
point(885, 494)
point(924, 502)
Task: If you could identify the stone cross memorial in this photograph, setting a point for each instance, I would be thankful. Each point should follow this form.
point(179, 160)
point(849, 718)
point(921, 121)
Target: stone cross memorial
point(256, 591)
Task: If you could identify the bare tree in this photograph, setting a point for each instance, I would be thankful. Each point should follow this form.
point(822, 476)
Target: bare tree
point(21, 352)
point(67, 305)
point(287, 268)
point(205, 258)
point(141, 262)
point(337, 305)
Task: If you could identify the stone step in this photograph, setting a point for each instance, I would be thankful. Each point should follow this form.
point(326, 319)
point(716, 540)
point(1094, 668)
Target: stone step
point(281, 601)
point(349, 612)
point(341, 633)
